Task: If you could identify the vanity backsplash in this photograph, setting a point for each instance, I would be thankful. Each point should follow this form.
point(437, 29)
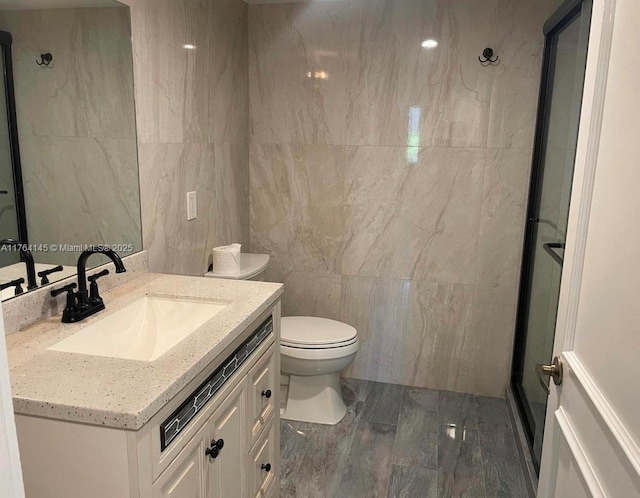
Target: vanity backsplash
point(37, 305)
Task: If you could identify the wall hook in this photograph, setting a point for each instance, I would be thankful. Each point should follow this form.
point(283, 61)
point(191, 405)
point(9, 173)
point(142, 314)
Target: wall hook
point(45, 60)
point(487, 53)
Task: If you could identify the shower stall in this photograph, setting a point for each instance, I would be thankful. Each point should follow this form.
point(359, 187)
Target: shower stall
point(566, 36)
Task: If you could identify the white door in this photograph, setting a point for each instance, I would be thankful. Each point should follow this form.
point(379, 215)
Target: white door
point(593, 418)
point(10, 470)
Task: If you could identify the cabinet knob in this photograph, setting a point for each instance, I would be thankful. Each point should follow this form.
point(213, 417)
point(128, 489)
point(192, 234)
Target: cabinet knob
point(267, 394)
point(266, 468)
point(214, 449)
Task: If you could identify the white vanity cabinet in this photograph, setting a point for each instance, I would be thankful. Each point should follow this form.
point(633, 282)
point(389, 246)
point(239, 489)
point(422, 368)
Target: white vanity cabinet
point(229, 448)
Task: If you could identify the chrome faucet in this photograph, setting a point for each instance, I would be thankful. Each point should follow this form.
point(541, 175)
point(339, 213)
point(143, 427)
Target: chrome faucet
point(27, 258)
point(81, 304)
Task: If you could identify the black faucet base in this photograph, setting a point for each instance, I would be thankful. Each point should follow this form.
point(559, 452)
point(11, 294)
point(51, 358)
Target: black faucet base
point(78, 315)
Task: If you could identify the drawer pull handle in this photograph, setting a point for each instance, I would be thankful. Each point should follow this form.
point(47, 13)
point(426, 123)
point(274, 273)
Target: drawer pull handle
point(214, 450)
point(267, 394)
point(266, 467)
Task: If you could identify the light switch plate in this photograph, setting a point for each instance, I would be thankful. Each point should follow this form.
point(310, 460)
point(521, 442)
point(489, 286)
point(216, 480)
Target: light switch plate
point(192, 206)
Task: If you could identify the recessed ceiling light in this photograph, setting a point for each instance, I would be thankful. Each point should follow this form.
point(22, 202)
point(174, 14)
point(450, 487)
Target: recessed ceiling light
point(188, 46)
point(430, 43)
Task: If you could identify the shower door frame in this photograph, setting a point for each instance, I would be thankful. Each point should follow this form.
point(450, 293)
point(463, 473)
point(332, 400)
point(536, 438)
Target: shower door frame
point(563, 16)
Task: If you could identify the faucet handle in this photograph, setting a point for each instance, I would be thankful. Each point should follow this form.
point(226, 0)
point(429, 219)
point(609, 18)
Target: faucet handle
point(96, 276)
point(44, 274)
point(66, 288)
point(94, 294)
point(14, 283)
point(70, 307)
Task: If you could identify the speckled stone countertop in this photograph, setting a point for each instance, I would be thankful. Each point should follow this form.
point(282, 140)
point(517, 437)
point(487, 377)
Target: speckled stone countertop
point(122, 393)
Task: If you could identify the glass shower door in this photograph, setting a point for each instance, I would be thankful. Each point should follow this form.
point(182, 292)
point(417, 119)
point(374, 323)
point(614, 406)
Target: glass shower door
point(553, 163)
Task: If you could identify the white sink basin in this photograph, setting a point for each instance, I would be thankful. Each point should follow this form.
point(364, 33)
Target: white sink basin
point(143, 330)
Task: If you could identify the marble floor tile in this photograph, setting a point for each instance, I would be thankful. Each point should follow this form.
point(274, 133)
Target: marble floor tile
point(354, 394)
point(369, 464)
point(416, 441)
point(459, 463)
point(382, 404)
point(500, 461)
point(412, 482)
point(492, 410)
point(320, 472)
point(403, 442)
point(457, 409)
point(294, 443)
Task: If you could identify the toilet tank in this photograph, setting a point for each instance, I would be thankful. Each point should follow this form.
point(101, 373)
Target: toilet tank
point(252, 267)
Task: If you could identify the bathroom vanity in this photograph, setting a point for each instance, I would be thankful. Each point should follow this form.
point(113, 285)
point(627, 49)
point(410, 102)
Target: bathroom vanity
point(199, 420)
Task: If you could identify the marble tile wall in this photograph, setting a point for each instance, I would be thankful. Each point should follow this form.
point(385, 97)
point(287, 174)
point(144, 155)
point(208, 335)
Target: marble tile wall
point(192, 120)
point(76, 127)
point(388, 182)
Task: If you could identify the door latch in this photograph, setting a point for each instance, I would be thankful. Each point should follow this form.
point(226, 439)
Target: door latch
point(554, 371)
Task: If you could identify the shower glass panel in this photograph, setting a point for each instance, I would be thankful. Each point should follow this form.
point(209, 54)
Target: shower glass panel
point(553, 163)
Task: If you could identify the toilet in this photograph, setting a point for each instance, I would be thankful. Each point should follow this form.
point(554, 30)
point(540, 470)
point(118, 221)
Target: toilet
point(313, 352)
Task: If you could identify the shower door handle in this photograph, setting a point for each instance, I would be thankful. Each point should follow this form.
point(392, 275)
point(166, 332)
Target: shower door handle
point(554, 371)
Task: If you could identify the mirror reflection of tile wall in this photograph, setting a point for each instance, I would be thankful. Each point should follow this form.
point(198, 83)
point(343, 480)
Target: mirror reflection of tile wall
point(76, 126)
point(8, 219)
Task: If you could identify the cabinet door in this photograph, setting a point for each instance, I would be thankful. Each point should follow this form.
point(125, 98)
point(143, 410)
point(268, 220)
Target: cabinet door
point(264, 389)
point(185, 477)
point(227, 470)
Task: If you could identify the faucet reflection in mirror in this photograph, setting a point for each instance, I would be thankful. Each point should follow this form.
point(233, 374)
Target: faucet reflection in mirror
point(68, 148)
point(82, 304)
point(26, 257)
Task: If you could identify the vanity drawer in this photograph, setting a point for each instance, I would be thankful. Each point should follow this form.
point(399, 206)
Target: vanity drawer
point(263, 392)
point(264, 463)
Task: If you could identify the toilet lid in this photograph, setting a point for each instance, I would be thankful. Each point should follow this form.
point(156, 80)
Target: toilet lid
point(312, 332)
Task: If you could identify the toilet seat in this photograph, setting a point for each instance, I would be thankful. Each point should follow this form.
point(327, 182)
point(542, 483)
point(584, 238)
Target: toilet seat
point(319, 346)
point(317, 354)
point(306, 332)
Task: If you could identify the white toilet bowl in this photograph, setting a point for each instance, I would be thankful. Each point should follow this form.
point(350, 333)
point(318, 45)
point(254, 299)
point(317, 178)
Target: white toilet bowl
point(313, 351)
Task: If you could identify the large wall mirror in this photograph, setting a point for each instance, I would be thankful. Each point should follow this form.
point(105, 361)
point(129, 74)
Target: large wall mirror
point(68, 152)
